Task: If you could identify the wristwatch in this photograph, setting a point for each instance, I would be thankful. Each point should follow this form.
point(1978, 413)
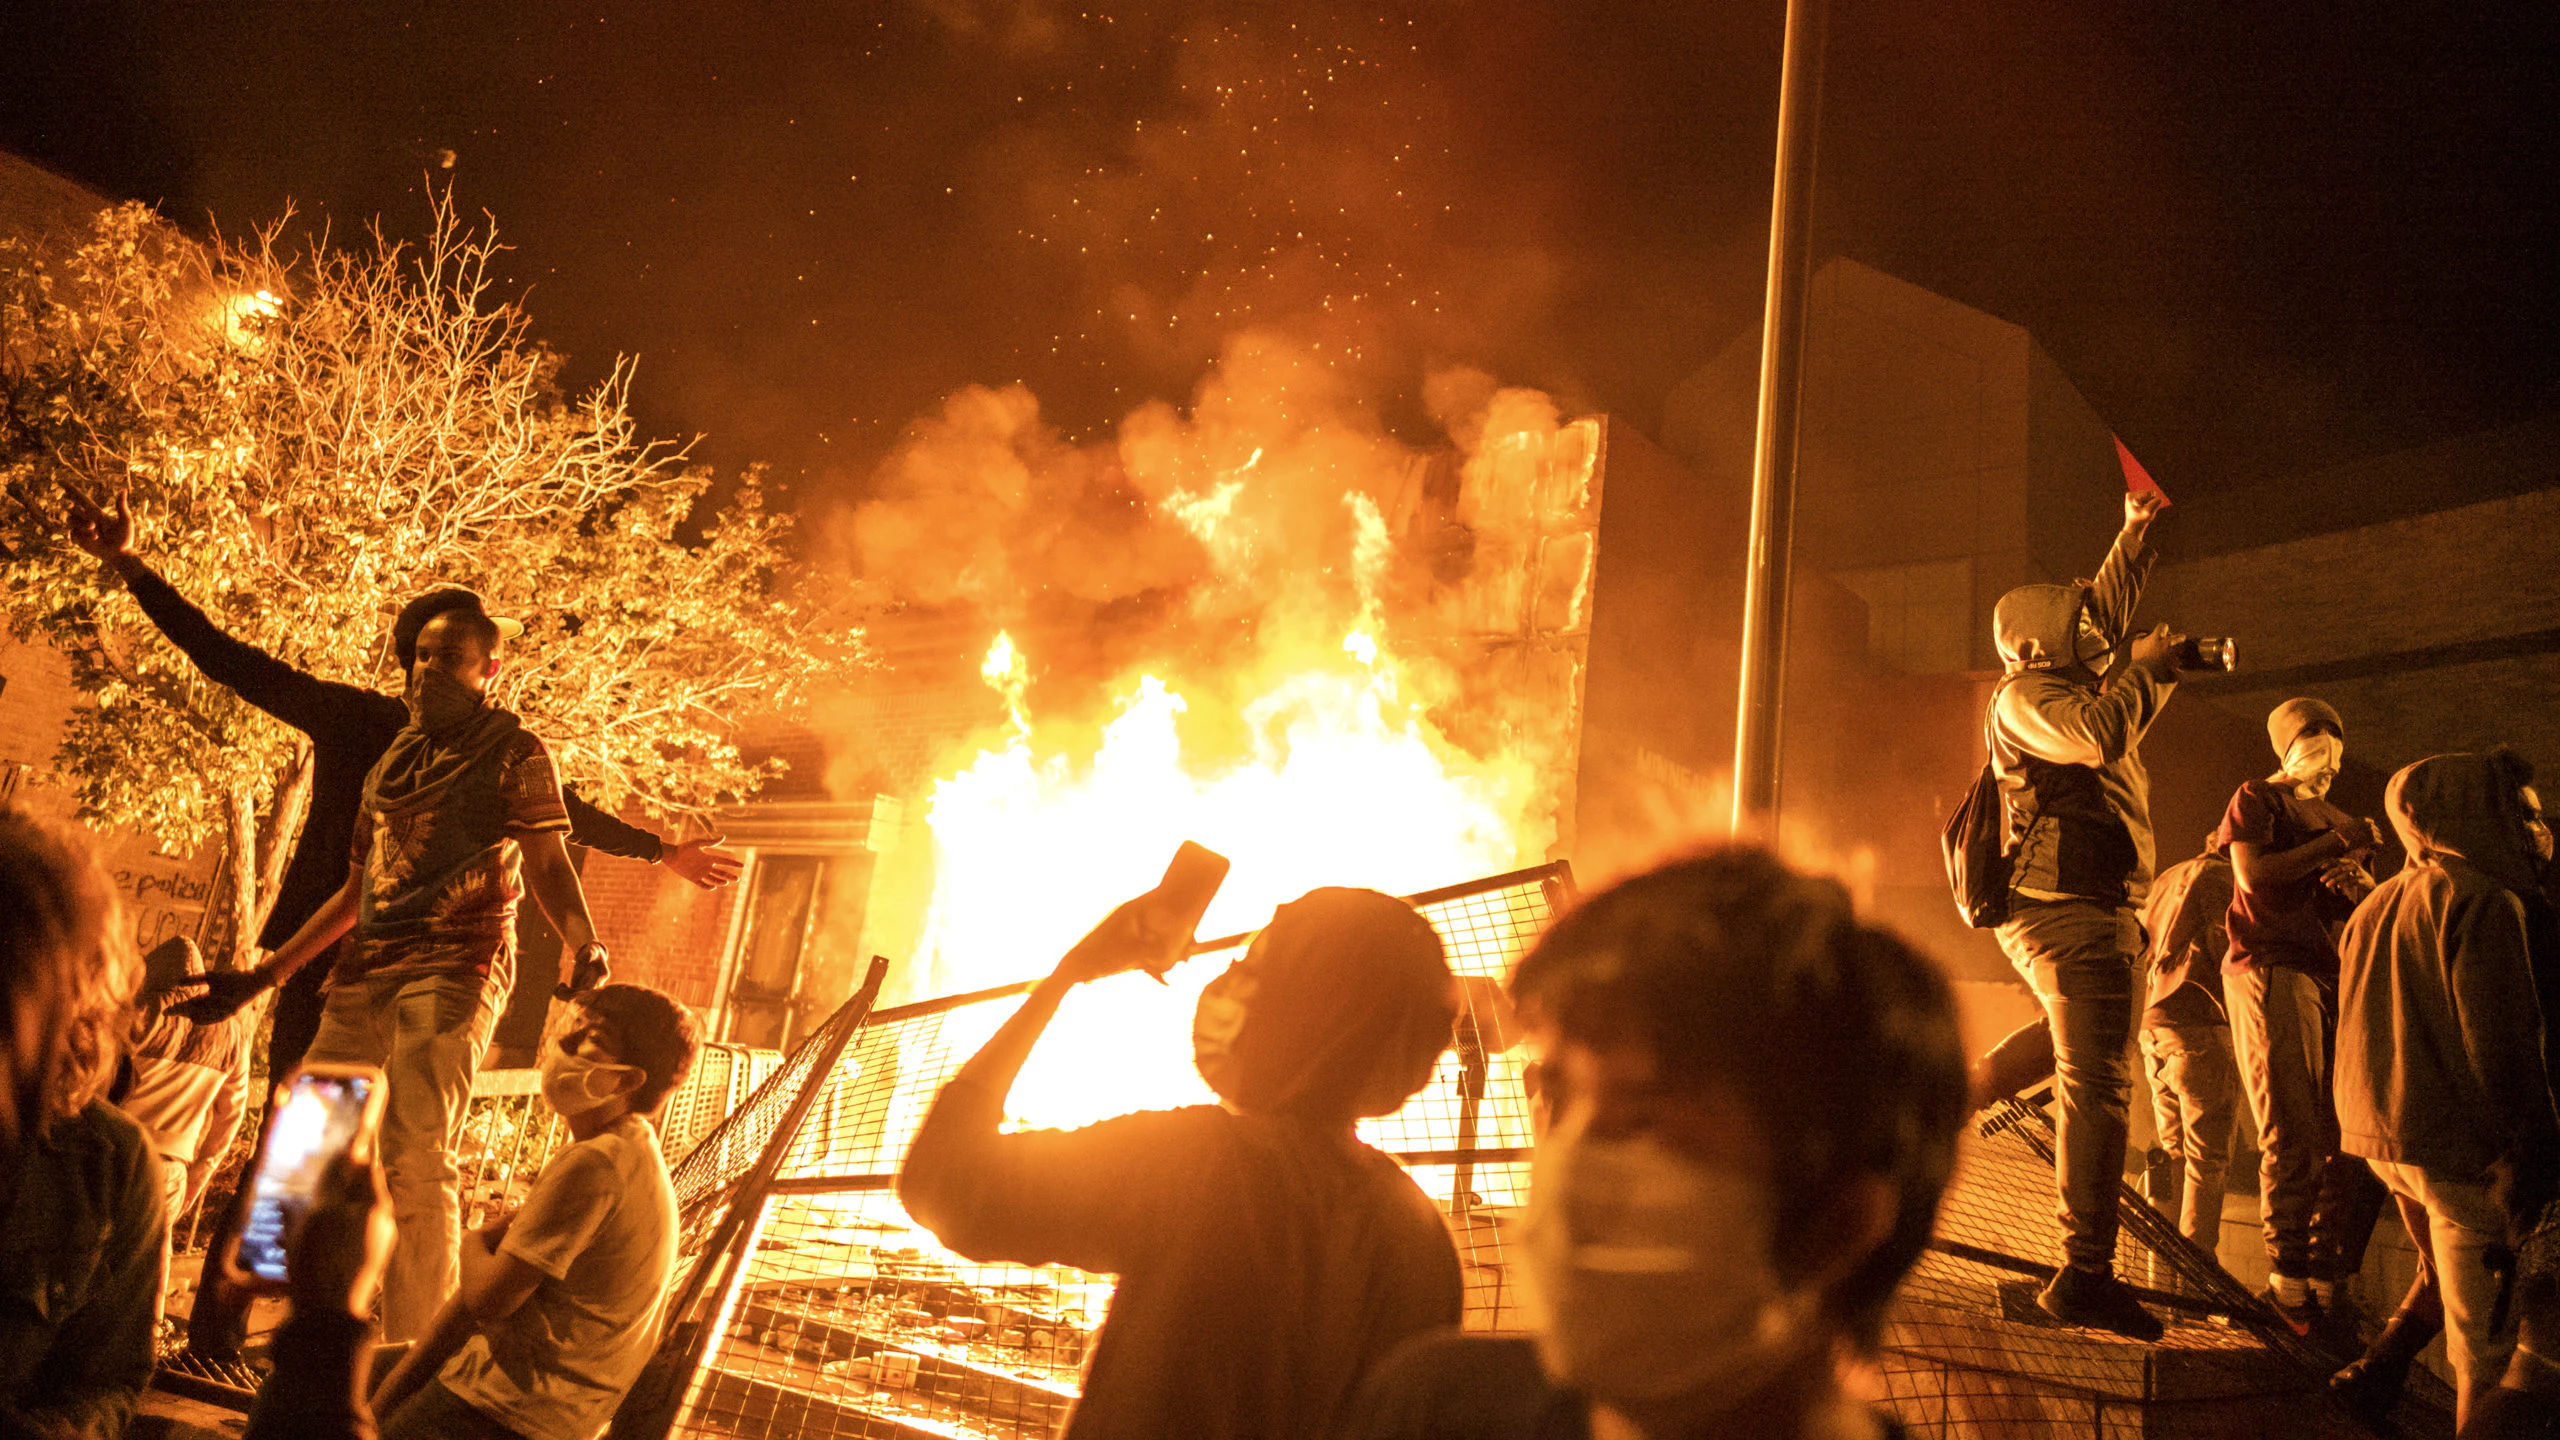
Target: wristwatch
point(586, 971)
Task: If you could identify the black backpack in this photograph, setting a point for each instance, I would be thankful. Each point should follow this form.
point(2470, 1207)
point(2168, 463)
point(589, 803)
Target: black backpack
point(1976, 845)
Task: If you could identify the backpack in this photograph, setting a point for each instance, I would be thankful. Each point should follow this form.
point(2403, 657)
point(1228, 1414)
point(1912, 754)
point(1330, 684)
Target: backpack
point(1976, 846)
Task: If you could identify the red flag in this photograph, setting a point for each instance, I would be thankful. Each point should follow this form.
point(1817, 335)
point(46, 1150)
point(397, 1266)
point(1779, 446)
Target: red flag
point(2135, 477)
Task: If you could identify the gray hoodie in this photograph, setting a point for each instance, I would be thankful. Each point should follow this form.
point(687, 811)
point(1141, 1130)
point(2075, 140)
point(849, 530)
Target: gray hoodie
point(2439, 1029)
point(2066, 749)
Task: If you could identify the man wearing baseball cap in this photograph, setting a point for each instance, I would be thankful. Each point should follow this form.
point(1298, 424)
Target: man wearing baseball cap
point(350, 727)
point(459, 818)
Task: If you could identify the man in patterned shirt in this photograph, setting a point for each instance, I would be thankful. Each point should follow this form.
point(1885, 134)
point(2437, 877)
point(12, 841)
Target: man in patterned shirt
point(460, 816)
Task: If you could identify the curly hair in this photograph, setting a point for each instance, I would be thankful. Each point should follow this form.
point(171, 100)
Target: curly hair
point(1734, 970)
point(67, 971)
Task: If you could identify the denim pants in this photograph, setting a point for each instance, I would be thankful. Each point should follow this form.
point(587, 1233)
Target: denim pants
point(2195, 1102)
point(2079, 958)
point(2319, 1206)
point(428, 1036)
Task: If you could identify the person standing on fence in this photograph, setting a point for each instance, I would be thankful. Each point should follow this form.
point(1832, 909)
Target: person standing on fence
point(80, 1212)
point(349, 727)
point(460, 817)
point(1266, 1256)
point(2066, 748)
point(2299, 866)
point(559, 1300)
point(1749, 1104)
point(2186, 1041)
point(2442, 1082)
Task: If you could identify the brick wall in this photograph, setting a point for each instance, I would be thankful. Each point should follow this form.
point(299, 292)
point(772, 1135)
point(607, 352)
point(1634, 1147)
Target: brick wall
point(164, 893)
point(662, 931)
point(2429, 633)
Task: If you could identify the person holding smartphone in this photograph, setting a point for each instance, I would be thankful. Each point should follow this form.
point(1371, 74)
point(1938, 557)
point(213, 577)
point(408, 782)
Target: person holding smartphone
point(1266, 1256)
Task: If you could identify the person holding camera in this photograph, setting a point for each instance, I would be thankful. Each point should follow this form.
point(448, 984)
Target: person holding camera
point(2298, 863)
point(2065, 740)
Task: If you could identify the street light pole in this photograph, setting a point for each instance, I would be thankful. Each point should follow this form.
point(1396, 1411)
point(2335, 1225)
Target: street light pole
point(1767, 575)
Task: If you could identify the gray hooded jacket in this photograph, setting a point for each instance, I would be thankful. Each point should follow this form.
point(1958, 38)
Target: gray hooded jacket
point(2439, 1030)
point(2066, 751)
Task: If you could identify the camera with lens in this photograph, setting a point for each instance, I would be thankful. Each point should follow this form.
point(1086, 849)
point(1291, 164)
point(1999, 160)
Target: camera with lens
point(2206, 652)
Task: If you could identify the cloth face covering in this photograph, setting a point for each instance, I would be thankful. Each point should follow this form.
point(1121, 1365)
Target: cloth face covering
point(1648, 1276)
point(574, 1084)
point(2311, 766)
point(2090, 645)
point(438, 703)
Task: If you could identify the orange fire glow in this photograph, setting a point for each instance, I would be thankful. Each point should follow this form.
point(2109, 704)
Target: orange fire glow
point(1365, 732)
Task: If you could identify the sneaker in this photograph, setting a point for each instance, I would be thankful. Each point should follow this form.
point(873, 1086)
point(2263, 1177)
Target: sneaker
point(2298, 1317)
point(2097, 1300)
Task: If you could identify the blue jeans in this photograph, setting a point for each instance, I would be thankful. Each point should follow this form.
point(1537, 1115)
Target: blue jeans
point(2079, 957)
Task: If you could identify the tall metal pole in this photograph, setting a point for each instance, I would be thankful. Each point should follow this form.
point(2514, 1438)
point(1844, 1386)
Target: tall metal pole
point(1773, 466)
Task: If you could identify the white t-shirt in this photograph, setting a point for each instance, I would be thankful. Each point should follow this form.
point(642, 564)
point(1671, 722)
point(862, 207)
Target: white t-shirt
point(601, 1227)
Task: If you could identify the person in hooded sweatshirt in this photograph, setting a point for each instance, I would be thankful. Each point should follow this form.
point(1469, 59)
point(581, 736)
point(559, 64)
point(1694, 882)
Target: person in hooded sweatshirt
point(1266, 1257)
point(2441, 1083)
point(2066, 748)
point(2299, 863)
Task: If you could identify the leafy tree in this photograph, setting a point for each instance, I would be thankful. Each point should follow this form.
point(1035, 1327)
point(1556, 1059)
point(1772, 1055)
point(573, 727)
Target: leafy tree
point(312, 435)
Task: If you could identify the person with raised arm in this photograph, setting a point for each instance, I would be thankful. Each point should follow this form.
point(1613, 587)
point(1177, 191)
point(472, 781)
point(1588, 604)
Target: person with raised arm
point(1267, 1257)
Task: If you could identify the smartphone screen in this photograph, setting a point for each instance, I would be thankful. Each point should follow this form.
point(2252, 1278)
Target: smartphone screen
point(1183, 896)
point(322, 1115)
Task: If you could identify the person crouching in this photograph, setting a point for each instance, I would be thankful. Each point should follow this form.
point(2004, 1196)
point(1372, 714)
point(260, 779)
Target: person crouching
point(559, 1300)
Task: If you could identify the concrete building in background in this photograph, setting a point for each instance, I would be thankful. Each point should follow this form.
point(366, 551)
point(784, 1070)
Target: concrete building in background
point(1946, 458)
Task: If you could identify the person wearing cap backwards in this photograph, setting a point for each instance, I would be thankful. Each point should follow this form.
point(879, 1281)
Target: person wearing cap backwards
point(2298, 866)
point(2066, 748)
point(1266, 1256)
point(459, 818)
point(349, 727)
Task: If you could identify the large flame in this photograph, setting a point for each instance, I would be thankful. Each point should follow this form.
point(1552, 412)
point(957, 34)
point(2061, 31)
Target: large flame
point(1263, 625)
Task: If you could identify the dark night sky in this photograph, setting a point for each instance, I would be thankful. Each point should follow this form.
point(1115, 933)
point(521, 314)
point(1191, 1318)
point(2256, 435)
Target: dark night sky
point(2261, 237)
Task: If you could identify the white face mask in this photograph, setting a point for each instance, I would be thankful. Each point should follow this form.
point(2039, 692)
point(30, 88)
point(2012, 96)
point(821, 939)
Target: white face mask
point(1648, 1277)
point(574, 1084)
point(2312, 764)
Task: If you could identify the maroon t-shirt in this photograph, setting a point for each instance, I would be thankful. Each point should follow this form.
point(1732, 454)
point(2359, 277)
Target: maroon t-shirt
point(2288, 924)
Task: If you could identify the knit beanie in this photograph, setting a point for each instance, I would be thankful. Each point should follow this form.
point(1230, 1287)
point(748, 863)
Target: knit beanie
point(2287, 722)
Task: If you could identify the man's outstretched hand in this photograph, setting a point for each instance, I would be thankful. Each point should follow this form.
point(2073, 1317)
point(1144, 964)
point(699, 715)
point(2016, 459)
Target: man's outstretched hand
point(703, 862)
point(226, 993)
point(108, 536)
